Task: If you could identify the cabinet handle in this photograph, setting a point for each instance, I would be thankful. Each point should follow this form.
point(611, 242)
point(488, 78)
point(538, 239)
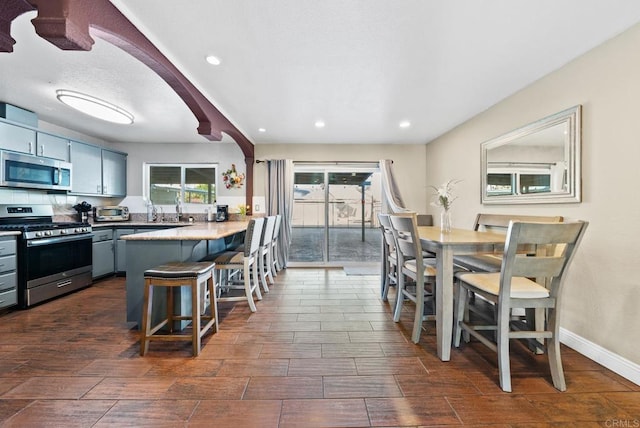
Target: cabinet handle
point(98, 189)
point(104, 189)
point(41, 150)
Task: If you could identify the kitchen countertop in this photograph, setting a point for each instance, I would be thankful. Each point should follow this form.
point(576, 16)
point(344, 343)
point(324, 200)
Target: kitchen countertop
point(134, 224)
point(10, 233)
point(190, 231)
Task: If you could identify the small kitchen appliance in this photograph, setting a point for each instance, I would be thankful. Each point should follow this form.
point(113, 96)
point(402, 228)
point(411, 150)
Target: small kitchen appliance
point(111, 213)
point(222, 213)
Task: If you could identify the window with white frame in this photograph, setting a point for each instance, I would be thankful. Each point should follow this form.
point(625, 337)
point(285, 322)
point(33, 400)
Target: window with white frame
point(167, 184)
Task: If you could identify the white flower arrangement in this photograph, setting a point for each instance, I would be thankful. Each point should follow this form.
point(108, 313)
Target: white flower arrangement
point(444, 195)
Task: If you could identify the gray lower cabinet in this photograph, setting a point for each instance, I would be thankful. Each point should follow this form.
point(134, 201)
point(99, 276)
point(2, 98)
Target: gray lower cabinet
point(103, 253)
point(121, 253)
point(8, 276)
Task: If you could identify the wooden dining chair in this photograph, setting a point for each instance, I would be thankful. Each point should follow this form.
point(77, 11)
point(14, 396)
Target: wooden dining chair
point(239, 269)
point(389, 266)
point(514, 287)
point(412, 264)
point(264, 253)
point(275, 262)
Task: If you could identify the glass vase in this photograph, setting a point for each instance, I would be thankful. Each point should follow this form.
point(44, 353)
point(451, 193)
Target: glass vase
point(445, 221)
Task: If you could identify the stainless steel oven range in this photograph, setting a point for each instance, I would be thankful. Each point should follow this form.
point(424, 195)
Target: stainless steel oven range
point(53, 258)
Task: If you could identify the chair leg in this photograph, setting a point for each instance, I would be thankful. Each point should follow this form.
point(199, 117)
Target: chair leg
point(384, 280)
point(419, 314)
point(248, 287)
point(269, 268)
point(553, 349)
point(252, 271)
point(399, 298)
point(145, 328)
point(262, 270)
point(459, 315)
point(195, 317)
point(504, 367)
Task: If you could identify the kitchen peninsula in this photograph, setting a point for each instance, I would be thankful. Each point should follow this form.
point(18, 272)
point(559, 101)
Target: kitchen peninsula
point(185, 243)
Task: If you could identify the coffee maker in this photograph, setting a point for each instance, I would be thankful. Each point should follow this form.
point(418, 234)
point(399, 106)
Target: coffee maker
point(222, 213)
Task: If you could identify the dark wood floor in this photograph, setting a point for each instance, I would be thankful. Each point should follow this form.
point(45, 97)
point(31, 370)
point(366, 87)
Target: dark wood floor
point(322, 350)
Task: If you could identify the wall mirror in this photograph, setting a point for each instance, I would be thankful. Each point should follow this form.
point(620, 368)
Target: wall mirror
point(535, 164)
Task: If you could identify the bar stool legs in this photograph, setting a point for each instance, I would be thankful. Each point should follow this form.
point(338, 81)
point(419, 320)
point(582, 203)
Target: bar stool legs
point(170, 276)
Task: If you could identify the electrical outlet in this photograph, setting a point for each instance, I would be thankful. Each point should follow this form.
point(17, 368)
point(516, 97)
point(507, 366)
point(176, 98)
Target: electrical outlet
point(257, 208)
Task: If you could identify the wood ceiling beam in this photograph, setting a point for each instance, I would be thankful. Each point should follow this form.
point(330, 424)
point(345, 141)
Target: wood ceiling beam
point(69, 25)
point(10, 10)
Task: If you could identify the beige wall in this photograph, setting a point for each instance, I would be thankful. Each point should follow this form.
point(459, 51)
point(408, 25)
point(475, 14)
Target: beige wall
point(602, 294)
point(408, 163)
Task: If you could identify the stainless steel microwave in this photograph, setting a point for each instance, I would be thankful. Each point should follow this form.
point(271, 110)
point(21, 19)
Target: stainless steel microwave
point(111, 213)
point(34, 172)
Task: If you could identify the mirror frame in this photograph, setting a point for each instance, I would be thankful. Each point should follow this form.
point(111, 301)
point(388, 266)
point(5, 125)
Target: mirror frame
point(572, 117)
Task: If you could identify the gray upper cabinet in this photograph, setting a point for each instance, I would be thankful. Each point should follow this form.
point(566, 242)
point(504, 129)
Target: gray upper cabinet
point(86, 177)
point(17, 138)
point(114, 173)
point(98, 171)
point(52, 146)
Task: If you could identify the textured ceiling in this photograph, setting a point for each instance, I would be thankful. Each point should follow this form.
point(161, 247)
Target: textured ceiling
point(362, 66)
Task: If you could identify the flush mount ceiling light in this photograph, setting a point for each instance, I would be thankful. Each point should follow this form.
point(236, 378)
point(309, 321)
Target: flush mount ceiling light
point(405, 124)
point(94, 107)
point(262, 130)
point(213, 60)
point(319, 124)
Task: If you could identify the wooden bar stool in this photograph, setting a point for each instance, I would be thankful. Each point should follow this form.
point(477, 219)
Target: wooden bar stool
point(170, 275)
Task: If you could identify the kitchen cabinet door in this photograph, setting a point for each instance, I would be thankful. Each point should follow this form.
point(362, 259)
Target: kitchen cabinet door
point(121, 245)
point(17, 138)
point(52, 146)
point(86, 178)
point(103, 258)
point(114, 173)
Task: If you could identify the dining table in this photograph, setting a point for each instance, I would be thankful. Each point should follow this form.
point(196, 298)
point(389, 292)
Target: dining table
point(445, 245)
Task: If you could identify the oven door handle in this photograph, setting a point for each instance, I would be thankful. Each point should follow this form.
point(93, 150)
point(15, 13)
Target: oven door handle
point(58, 239)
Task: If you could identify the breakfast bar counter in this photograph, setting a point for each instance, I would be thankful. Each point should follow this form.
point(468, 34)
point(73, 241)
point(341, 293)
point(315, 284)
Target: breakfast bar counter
point(182, 243)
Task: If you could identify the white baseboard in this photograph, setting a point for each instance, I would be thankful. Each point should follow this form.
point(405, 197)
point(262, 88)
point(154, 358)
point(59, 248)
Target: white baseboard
point(600, 355)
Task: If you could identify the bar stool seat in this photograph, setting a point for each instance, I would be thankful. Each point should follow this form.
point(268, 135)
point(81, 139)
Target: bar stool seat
point(179, 274)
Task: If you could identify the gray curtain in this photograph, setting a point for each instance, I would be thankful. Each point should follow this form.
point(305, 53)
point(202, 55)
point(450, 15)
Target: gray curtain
point(280, 201)
point(393, 202)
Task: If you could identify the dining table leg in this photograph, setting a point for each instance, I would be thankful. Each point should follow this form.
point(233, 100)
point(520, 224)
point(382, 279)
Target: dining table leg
point(444, 302)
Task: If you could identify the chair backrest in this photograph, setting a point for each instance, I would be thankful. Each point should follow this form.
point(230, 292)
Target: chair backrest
point(252, 236)
point(425, 220)
point(551, 267)
point(387, 234)
point(405, 231)
point(267, 231)
point(500, 222)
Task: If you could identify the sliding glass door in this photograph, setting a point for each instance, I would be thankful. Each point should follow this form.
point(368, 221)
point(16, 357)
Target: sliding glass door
point(335, 214)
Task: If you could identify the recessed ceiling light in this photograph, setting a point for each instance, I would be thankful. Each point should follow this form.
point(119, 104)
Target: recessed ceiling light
point(405, 124)
point(262, 130)
point(319, 124)
point(213, 60)
point(94, 107)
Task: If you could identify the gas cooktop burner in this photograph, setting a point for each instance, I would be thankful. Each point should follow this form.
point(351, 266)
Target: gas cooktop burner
point(42, 226)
